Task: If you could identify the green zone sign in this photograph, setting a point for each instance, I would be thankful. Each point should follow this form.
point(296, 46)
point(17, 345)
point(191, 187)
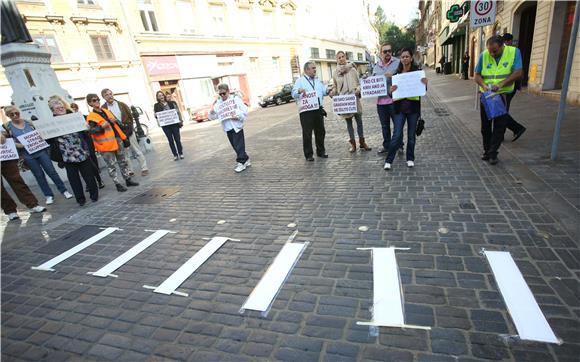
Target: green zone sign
point(455, 13)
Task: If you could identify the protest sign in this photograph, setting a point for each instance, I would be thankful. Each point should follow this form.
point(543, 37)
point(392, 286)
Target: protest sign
point(165, 118)
point(309, 102)
point(8, 150)
point(344, 104)
point(227, 110)
point(374, 86)
point(32, 142)
point(409, 85)
point(60, 125)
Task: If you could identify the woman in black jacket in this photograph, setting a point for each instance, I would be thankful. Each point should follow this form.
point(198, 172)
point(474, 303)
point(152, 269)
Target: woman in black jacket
point(172, 131)
point(72, 151)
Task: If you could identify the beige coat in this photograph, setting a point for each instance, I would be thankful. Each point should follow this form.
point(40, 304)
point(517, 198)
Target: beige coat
point(345, 81)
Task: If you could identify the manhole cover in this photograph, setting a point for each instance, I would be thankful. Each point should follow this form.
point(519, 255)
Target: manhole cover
point(62, 244)
point(467, 206)
point(441, 112)
point(154, 195)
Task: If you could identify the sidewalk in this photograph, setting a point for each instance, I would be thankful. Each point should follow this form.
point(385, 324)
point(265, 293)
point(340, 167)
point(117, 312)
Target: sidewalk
point(555, 184)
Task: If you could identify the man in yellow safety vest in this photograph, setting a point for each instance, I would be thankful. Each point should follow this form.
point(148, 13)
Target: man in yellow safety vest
point(499, 66)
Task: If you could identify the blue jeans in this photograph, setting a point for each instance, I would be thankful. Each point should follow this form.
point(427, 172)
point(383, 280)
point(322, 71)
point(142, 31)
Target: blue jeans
point(386, 113)
point(397, 139)
point(39, 163)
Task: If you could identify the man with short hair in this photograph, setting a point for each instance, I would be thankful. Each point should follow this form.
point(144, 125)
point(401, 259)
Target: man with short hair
point(123, 113)
point(499, 66)
point(387, 66)
point(312, 120)
point(512, 125)
point(109, 140)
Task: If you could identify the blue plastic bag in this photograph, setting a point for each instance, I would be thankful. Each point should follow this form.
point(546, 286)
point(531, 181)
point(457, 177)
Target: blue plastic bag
point(493, 104)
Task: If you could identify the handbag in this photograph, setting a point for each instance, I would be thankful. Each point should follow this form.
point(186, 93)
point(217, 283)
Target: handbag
point(420, 126)
point(493, 104)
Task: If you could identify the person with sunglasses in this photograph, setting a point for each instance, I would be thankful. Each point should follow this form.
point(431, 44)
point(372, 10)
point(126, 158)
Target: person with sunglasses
point(109, 139)
point(387, 66)
point(233, 124)
point(172, 131)
point(39, 162)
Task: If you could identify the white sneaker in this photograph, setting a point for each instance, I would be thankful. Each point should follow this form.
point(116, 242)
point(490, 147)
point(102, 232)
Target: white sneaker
point(67, 195)
point(49, 200)
point(37, 209)
point(410, 164)
point(248, 163)
point(13, 216)
point(240, 167)
point(387, 166)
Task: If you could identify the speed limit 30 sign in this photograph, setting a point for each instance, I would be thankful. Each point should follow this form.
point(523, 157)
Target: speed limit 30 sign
point(482, 13)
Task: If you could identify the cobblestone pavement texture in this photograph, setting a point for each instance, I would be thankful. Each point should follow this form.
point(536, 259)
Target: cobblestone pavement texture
point(446, 209)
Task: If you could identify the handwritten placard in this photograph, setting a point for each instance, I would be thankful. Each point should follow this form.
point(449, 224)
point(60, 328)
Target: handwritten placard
point(227, 110)
point(8, 150)
point(374, 86)
point(409, 85)
point(344, 104)
point(168, 117)
point(308, 102)
point(60, 125)
point(32, 142)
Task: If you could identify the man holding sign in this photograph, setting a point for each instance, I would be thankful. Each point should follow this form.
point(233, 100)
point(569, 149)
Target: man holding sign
point(232, 113)
point(34, 149)
point(309, 93)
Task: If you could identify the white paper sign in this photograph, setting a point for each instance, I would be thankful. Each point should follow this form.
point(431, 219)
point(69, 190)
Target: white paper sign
point(8, 150)
point(227, 110)
point(61, 125)
point(32, 142)
point(374, 86)
point(409, 85)
point(168, 117)
point(344, 104)
point(309, 102)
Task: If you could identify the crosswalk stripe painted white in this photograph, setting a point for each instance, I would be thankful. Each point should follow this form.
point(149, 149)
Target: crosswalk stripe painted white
point(170, 285)
point(47, 266)
point(108, 269)
point(526, 314)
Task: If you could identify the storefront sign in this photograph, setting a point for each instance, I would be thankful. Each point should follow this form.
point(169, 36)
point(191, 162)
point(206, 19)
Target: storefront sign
point(165, 118)
point(482, 13)
point(8, 150)
point(344, 104)
point(227, 110)
point(454, 13)
point(32, 142)
point(308, 102)
point(60, 125)
point(374, 86)
point(165, 67)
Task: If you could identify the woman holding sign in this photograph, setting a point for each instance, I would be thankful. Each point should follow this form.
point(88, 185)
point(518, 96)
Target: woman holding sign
point(171, 128)
point(406, 110)
point(35, 151)
point(345, 81)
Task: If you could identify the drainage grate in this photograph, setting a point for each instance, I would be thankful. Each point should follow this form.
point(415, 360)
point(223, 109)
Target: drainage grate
point(467, 205)
point(441, 112)
point(60, 245)
point(154, 195)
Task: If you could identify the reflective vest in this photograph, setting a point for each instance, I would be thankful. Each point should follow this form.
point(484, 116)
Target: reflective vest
point(413, 98)
point(106, 141)
point(493, 72)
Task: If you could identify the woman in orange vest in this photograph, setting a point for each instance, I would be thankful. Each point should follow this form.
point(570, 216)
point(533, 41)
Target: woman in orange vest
point(107, 137)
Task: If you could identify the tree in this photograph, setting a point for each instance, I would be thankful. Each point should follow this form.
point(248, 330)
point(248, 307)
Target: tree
point(393, 34)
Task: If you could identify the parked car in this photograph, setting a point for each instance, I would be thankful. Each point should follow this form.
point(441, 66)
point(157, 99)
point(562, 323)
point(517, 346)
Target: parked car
point(282, 94)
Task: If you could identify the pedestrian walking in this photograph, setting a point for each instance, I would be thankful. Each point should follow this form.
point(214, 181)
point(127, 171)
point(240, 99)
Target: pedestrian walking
point(172, 131)
point(442, 62)
point(312, 120)
point(233, 124)
point(345, 80)
point(465, 65)
point(71, 151)
point(406, 110)
point(11, 174)
point(386, 66)
point(109, 140)
point(499, 66)
point(123, 113)
point(517, 129)
point(92, 153)
point(39, 162)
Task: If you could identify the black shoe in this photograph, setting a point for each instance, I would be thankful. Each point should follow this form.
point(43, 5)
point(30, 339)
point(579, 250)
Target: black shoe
point(323, 155)
point(310, 158)
point(485, 157)
point(82, 202)
point(95, 200)
point(101, 185)
point(130, 183)
point(120, 188)
point(493, 161)
point(518, 134)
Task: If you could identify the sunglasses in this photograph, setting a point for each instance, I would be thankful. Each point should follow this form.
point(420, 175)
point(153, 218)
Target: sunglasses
point(387, 51)
point(95, 100)
point(222, 94)
point(13, 114)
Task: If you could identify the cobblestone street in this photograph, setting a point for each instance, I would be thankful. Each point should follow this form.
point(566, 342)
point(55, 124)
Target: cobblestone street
point(445, 210)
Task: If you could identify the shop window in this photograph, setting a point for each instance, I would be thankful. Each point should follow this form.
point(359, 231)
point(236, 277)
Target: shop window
point(147, 13)
point(314, 53)
point(349, 56)
point(102, 47)
point(330, 54)
point(48, 43)
point(359, 56)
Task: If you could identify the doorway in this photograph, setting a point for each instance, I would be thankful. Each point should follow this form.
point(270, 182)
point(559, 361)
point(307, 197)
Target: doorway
point(526, 17)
